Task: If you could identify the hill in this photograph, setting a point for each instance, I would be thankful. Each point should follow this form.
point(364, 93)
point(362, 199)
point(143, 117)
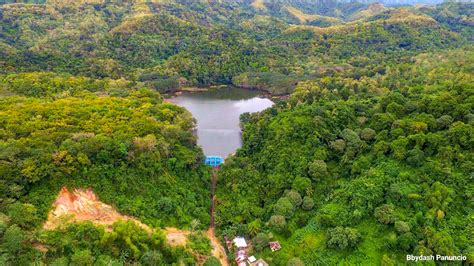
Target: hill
point(170, 44)
point(359, 171)
point(365, 157)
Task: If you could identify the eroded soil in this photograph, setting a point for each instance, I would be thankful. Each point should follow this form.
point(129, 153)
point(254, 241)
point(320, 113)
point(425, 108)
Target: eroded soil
point(83, 205)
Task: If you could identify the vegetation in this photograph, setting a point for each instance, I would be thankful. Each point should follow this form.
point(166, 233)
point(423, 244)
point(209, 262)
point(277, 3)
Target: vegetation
point(86, 244)
point(382, 165)
point(136, 152)
point(368, 157)
point(169, 45)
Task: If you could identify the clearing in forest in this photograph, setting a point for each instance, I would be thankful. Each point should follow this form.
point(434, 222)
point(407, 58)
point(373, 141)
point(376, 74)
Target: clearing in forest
point(83, 205)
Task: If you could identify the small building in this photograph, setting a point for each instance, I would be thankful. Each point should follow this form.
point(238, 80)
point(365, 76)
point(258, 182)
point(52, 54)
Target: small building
point(214, 161)
point(241, 257)
point(252, 259)
point(240, 242)
point(274, 246)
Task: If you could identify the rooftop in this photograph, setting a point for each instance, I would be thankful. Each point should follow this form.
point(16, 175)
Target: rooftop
point(240, 242)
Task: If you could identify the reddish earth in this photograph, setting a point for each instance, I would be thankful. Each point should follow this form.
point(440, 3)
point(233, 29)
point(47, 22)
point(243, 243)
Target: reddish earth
point(218, 250)
point(176, 237)
point(83, 205)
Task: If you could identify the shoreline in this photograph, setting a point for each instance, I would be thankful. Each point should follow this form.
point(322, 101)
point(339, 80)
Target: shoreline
point(262, 93)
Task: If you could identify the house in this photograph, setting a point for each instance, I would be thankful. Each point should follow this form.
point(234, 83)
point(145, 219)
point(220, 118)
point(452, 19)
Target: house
point(240, 242)
point(252, 259)
point(241, 257)
point(274, 246)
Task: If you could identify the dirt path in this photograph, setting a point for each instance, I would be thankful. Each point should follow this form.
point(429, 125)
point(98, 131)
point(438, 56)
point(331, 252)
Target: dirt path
point(213, 197)
point(218, 250)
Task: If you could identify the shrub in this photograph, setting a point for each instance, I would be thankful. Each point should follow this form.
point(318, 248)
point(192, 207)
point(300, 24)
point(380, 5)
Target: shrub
point(200, 243)
point(152, 257)
point(82, 258)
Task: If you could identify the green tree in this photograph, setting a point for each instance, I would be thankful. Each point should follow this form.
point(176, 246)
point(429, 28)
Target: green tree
point(260, 241)
point(367, 134)
point(318, 169)
point(342, 237)
point(212, 261)
point(82, 258)
point(284, 207)
point(294, 197)
point(23, 214)
point(302, 185)
point(277, 222)
point(415, 157)
point(385, 214)
point(442, 243)
point(308, 203)
point(439, 198)
point(402, 227)
point(14, 242)
point(254, 227)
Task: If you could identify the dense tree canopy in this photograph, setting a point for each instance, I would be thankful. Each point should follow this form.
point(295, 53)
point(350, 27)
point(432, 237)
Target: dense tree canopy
point(136, 152)
point(169, 45)
point(367, 157)
point(382, 173)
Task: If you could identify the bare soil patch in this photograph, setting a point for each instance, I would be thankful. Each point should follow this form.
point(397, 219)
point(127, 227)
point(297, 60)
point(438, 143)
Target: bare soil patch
point(83, 205)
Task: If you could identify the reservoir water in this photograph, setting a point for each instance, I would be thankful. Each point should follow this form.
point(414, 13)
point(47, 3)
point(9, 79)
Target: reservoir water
point(217, 112)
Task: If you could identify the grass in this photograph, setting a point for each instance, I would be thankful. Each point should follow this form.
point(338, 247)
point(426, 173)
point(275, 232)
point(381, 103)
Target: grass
point(259, 5)
point(306, 18)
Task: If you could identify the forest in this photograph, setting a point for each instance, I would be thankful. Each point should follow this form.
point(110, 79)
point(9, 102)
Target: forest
point(360, 171)
point(366, 156)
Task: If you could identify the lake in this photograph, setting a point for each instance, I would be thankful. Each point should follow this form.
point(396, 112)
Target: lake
point(217, 112)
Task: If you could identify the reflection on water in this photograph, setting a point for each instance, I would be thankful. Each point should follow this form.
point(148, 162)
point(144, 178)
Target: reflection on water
point(217, 113)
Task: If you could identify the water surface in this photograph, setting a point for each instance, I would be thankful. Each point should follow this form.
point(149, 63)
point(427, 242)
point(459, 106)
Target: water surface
point(217, 112)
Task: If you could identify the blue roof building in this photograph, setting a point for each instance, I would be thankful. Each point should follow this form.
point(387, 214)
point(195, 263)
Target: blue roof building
point(214, 161)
